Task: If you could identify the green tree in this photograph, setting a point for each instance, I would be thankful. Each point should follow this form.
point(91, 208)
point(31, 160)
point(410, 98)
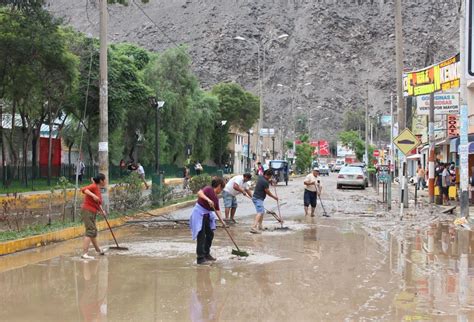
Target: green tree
point(304, 154)
point(236, 106)
point(171, 79)
point(351, 140)
point(38, 76)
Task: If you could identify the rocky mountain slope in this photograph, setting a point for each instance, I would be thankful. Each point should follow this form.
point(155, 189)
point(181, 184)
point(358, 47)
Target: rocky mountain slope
point(336, 45)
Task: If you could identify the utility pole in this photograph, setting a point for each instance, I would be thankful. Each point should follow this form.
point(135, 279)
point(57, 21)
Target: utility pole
point(465, 98)
point(400, 99)
point(392, 152)
point(367, 125)
point(103, 102)
point(431, 156)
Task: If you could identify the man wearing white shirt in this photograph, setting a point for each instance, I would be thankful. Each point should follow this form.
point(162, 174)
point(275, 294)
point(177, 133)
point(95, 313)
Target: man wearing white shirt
point(236, 185)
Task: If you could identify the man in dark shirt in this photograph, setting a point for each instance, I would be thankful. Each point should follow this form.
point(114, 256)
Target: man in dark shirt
point(262, 189)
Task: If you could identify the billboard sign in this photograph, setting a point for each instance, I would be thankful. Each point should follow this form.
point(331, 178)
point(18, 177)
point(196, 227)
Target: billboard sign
point(444, 104)
point(343, 151)
point(439, 77)
point(386, 120)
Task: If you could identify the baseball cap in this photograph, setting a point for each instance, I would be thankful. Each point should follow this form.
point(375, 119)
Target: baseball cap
point(316, 169)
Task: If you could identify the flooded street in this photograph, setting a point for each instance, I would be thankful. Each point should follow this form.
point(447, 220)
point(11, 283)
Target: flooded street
point(349, 267)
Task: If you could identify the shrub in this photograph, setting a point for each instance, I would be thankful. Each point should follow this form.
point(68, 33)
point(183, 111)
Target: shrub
point(198, 182)
point(160, 194)
point(127, 194)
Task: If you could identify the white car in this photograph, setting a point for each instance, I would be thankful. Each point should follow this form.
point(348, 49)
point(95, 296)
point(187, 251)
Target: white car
point(351, 176)
point(323, 169)
point(338, 166)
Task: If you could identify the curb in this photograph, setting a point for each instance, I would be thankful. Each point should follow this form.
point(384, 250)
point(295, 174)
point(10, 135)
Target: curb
point(13, 246)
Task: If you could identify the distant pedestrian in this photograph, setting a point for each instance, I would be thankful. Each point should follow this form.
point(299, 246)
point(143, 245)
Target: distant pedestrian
point(236, 185)
point(198, 168)
point(80, 169)
point(186, 177)
point(445, 183)
point(259, 170)
point(203, 219)
point(90, 207)
point(141, 174)
point(262, 189)
point(420, 178)
point(311, 191)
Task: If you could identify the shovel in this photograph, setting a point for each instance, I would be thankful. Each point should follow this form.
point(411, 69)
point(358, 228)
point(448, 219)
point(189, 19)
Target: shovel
point(237, 251)
point(111, 231)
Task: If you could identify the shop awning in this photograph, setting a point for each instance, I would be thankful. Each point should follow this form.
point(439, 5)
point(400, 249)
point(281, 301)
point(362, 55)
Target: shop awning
point(414, 157)
point(471, 148)
point(456, 141)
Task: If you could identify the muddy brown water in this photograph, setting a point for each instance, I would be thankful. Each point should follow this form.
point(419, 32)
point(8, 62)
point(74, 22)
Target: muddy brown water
point(321, 270)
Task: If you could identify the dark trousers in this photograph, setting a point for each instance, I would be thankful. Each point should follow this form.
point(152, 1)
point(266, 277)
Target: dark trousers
point(204, 239)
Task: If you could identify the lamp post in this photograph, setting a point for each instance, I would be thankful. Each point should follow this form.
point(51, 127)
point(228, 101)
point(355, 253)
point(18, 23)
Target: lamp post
point(249, 132)
point(273, 147)
point(259, 44)
point(157, 105)
point(292, 110)
point(221, 126)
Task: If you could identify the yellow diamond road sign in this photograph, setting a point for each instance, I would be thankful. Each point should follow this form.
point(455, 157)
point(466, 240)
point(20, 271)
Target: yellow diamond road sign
point(406, 141)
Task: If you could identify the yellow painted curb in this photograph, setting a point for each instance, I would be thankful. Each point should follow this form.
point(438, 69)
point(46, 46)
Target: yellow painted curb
point(13, 246)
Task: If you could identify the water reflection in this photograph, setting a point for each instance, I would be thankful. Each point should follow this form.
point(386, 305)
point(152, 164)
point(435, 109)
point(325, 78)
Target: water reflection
point(91, 288)
point(437, 266)
point(203, 302)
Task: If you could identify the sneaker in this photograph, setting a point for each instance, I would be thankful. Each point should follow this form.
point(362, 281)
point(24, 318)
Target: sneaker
point(326, 215)
point(86, 256)
point(203, 261)
point(210, 258)
point(101, 252)
point(254, 231)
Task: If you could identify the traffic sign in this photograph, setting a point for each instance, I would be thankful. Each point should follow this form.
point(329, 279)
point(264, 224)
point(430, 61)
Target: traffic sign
point(376, 153)
point(406, 141)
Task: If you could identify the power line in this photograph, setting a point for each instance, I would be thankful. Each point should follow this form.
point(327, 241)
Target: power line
point(159, 28)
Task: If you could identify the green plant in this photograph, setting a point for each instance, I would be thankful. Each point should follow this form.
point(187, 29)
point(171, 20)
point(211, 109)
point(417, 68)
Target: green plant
point(160, 194)
point(198, 182)
point(63, 185)
point(128, 193)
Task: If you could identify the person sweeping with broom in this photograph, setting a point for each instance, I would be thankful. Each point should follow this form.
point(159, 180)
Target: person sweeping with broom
point(203, 220)
point(90, 207)
point(262, 189)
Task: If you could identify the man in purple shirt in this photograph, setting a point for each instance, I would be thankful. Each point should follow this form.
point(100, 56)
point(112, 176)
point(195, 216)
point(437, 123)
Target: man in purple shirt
point(203, 219)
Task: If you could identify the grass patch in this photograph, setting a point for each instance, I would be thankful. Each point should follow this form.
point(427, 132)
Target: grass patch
point(39, 229)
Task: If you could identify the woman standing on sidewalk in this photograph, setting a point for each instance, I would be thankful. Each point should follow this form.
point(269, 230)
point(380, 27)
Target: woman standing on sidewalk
point(90, 207)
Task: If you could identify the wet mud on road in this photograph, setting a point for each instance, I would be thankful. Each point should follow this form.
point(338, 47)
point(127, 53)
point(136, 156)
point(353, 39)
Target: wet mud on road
point(353, 266)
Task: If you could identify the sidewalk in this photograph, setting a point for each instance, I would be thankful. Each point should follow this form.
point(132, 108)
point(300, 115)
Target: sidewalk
point(423, 197)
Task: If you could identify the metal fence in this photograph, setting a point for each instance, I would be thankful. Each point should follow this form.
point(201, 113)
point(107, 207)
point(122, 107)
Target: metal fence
point(35, 178)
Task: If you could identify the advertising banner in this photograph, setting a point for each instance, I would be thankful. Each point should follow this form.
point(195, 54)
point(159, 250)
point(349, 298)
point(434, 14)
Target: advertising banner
point(342, 150)
point(324, 148)
point(386, 120)
point(453, 126)
point(435, 78)
point(443, 103)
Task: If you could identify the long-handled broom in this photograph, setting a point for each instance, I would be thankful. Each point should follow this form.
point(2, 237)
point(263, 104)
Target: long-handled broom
point(271, 212)
point(112, 232)
point(237, 251)
point(279, 212)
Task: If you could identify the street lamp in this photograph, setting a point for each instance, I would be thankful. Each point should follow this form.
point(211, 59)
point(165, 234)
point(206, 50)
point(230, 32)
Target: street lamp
point(157, 105)
point(259, 44)
point(221, 126)
point(249, 133)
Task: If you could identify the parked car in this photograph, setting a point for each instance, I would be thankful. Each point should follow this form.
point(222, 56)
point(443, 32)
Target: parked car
point(338, 165)
point(323, 169)
point(351, 176)
point(364, 168)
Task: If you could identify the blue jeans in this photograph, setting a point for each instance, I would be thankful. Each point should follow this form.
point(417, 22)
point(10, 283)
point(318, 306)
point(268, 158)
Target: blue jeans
point(258, 203)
